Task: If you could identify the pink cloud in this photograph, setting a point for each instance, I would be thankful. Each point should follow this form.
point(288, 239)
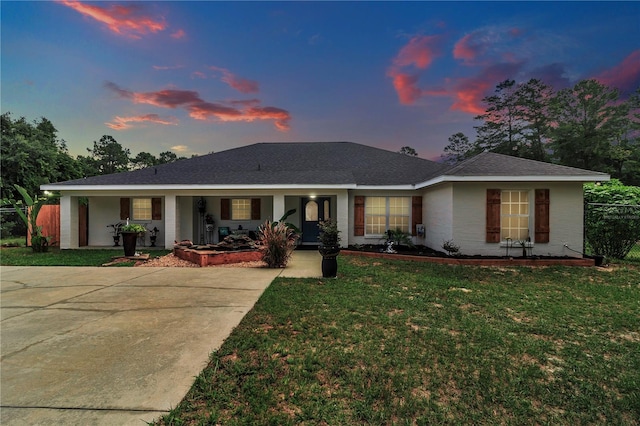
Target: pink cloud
point(624, 76)
point(407, 88)
point(242, 85)
point(469, 92)
point(122, 123)
point(419, 52)
point(464, 49)
point(180, 34)
point(199, 109)
point(198, 74)
point(127, 21)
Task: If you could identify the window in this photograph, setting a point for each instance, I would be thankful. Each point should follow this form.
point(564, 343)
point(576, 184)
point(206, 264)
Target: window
point(141, 209)
point(383, 213)
point(514, 215)
point(241, 209)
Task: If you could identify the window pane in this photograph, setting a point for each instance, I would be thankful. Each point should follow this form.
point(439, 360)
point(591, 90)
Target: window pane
point(515, 215)
point(141, 209)
point(311, 211)
point(375, 206)
point(375, 225)
point(241, 209)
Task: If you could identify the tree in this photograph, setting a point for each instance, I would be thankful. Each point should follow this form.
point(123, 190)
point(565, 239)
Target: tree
point(109, 156)
point(407, 150)
point(28, 209)
point(502, 129)
point(589, 121)
point(532, 100)
point(143, 160)
point(32, 155)
point(612, 218)
point(459, 149)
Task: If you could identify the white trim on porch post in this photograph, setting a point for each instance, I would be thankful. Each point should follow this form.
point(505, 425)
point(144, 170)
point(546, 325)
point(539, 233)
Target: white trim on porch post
point(342, 216)
point(170, 221)
point(278, 207)
point(69, 222)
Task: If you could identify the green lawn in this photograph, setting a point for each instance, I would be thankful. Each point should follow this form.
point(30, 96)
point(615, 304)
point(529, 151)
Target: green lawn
point(391, 342)
point(24, 256)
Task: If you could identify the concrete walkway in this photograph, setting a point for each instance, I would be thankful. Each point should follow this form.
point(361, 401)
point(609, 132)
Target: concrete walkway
point(117, 346)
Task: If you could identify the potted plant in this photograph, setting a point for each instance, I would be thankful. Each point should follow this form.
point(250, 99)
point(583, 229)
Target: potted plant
point(153, 235)
point(130, 233)
point(329, 247)
point(116, 233)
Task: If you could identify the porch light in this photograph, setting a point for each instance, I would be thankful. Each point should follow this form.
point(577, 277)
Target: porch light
point(312, 197)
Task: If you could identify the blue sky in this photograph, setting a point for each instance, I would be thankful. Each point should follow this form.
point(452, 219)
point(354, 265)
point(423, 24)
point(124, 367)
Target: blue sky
point(196, 77)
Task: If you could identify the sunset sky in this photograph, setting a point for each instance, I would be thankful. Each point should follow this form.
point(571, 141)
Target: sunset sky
point(196, 77)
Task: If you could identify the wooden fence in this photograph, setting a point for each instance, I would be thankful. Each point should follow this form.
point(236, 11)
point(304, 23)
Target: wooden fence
point(49, 219)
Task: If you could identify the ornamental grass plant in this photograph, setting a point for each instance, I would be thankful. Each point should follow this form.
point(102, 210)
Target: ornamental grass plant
point(278, 241)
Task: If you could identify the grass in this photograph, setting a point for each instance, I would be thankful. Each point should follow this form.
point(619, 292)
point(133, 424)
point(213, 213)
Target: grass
point(392, 342)
point(24, 256)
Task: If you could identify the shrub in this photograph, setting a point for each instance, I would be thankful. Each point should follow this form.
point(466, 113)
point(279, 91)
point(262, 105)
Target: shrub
point(398, 237)
point(278, 241)
point(132, 227)
point(329, 233)
point(612, 218)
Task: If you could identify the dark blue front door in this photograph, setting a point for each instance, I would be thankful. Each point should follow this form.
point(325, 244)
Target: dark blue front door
point(313, 211)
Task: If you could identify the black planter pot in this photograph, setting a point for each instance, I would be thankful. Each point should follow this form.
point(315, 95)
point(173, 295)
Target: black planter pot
point(129, 243)
point(116, 240)
point(153, 240)
point(329, 260)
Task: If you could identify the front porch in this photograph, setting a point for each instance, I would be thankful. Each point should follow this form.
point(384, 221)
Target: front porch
point(187, 215)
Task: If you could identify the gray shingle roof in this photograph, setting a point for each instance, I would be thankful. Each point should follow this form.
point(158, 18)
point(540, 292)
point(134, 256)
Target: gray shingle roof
point(492, 164)
point(320, 163)
point(310, 163)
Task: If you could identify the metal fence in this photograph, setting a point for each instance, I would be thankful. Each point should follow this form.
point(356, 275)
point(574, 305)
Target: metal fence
point(614, 228)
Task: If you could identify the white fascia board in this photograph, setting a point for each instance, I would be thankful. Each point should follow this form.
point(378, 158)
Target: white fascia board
point(173, 188)
point(388, 187)
point(544, 178)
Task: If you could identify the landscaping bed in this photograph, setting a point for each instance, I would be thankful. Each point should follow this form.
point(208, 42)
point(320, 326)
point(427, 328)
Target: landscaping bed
point(214, 257)
point(426, 254)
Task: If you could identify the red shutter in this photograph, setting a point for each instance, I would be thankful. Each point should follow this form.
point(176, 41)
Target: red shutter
point(225, 208)
point(416, 213)
point(125, 212)
point(358, 216)
point(156, 209)
point(542, 216)
point(493, 215)
point(255, 209)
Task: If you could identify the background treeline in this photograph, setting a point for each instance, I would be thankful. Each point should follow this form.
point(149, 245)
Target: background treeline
point(588, 126)
point(32, 155)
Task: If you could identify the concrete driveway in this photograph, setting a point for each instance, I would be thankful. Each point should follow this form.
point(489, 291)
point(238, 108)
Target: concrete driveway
point(113, 346)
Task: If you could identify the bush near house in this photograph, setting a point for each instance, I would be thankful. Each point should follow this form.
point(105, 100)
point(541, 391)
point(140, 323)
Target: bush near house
point(612, 218)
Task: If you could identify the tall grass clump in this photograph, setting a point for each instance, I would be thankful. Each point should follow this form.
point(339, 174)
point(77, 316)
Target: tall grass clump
point(278, 241)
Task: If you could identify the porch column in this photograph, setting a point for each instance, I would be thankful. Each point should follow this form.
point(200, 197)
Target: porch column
point(68, 222)
point(278, 207)
point(342, 216)
point(170, 221)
